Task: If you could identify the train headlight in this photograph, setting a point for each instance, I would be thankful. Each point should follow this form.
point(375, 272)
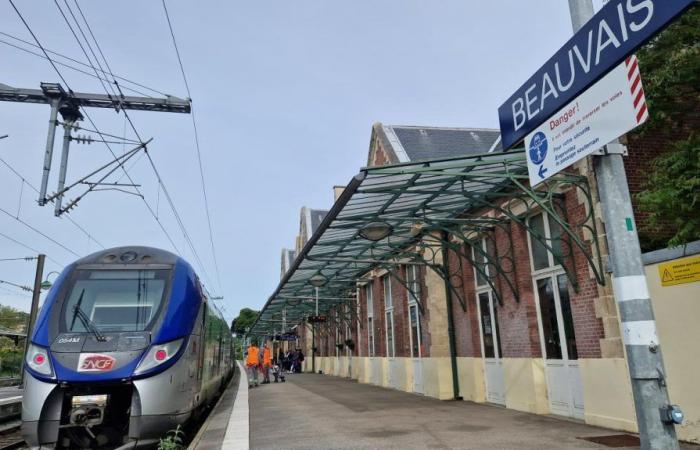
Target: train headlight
point(157, 355)
point(37, 359)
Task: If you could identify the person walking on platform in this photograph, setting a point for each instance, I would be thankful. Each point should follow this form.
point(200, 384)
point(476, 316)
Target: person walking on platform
point(297, 359)
point(267, 363)
point(252, 362)
point(287, 362)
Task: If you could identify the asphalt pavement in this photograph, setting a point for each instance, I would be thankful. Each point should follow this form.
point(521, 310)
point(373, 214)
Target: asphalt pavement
point(323, 412)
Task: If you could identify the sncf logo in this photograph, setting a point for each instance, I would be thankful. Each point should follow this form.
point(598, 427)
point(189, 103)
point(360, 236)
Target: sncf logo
point(95, 362)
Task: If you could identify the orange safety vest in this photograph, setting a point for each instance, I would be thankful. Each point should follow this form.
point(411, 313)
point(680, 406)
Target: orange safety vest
point(253, 358)
point(267, 358)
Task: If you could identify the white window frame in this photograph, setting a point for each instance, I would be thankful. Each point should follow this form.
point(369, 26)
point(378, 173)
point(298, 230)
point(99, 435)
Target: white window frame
point(348, 329)
point(389, 317)
point(370, 319)
point(485, 289)
point(412, 278)
point(553, 271)
point(553, 265)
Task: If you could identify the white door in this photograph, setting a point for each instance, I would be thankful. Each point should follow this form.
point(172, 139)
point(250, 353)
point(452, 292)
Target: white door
point(375, 371)
point(392, 365)
point(415, 341)
point(564, 384)
point(491, 349)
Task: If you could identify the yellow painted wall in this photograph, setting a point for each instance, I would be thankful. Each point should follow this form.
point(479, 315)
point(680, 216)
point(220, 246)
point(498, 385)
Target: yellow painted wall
point(677, 311)
point(437, 378)
point(526, 388)
point(607, 393)
point(471, 379)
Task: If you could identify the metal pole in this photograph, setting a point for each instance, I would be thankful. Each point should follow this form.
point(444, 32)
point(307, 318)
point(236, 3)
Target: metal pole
point(35, 306)
point(64, 165)
point(313, 347)
point(313, 337)
point(48, 154)
point(630, 287)
point(450, 318)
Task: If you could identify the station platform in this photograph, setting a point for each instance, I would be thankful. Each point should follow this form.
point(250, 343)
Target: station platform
point(311, 411)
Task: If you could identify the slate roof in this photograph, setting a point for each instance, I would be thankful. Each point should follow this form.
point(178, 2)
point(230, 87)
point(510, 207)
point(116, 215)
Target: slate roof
point(416, 143)
point(317, 216)
point(288, 256)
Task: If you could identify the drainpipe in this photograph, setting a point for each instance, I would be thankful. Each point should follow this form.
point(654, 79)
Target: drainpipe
point(450, 317)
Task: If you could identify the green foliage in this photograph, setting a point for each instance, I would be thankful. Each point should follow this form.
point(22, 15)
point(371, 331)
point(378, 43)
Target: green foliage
point(670, 67)
point(173, 440)
point(11, 362)
point(672, 192)
point(13, 319)
point(244, 320)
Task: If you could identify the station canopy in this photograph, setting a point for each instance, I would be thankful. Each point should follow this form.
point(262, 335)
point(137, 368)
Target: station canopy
point(410, 202)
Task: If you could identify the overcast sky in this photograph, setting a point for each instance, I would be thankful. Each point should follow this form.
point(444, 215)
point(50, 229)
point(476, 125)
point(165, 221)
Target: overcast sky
point(285, 94)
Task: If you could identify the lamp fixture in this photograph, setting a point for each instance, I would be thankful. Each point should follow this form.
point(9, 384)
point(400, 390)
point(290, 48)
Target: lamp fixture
point(318, 280)
point(376, 231)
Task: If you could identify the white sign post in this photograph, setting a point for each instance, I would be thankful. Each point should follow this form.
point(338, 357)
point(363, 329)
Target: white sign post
point(607, 110)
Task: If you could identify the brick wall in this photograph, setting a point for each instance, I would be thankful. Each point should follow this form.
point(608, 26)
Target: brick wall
point(642, 151)
point(466, 320)
point(588, 328)
point(399, 293)
point(518, 319)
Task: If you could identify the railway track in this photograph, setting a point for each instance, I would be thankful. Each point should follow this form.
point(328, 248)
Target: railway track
point(11, 438)
point(10, 409)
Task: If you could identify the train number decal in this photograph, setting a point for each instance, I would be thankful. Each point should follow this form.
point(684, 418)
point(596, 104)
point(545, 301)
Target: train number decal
point(95, 362)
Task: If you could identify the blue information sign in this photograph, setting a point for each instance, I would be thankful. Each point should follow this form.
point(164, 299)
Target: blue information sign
point(615, 32)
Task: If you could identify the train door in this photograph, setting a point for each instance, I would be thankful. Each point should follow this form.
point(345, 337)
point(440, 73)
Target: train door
point(202, 343)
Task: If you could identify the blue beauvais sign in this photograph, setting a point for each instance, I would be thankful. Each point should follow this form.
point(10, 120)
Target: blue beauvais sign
point(615, 32)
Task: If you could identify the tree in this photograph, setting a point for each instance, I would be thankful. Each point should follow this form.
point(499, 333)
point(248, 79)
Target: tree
point(13, 319)
point(245, 319)
point(670, 66)
point(673, 192)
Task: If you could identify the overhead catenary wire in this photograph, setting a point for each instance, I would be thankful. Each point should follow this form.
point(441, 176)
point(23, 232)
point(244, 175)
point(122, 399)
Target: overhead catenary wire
point(177, 215)
point(8, 291)
point(196, 139)
point(121, 165)
point(80, 44)
point(97, 44)
point(39, 232)
point(21, 258)
point(34, 188)
point(60, 75)
point(22, 244)
point(10, 283)
point(171, 203)
point(77, 62)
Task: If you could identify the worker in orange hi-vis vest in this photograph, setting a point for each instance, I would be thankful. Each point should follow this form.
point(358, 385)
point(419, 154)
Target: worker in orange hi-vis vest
point(252, 363)
point(267, 363)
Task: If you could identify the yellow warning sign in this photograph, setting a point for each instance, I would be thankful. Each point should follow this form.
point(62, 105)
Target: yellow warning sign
point(686, 270)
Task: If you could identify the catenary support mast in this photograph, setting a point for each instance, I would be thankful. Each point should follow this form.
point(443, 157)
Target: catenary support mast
point(68, 103)
point(630, 286)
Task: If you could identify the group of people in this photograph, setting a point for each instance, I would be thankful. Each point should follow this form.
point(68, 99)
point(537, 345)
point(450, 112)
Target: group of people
point(257, 361)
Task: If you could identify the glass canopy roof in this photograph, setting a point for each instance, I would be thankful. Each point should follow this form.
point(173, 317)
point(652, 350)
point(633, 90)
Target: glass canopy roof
point(414, 200)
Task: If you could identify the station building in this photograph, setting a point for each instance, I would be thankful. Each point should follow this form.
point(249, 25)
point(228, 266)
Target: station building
point(484, 289)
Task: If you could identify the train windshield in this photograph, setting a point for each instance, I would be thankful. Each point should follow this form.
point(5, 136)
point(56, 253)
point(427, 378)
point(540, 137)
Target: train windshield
point(114, 300)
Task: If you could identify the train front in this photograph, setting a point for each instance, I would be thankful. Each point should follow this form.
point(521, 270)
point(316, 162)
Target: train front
point(108, 363)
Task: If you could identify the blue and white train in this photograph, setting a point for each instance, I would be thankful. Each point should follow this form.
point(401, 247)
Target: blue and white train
point(126, 347)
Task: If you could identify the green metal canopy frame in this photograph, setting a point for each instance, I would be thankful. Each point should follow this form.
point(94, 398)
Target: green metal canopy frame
point(434, 208)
